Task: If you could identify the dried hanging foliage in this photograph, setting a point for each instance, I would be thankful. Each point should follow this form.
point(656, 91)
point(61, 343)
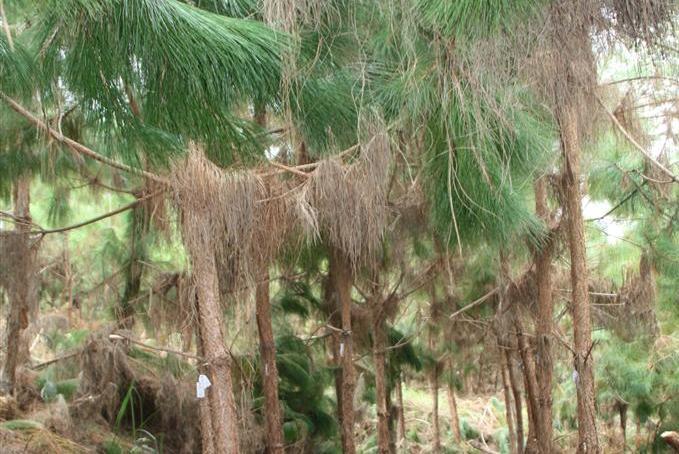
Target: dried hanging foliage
point(630, 312)
point(239, 215)
point(155, 206)
point(628, 117)
point(635, 313)
point(173, 305)
point(560, 46)
point(643, 21)
point(523, 292)
point(562, 66)
point(288, 15)
point(350, 202)
point(168, 405)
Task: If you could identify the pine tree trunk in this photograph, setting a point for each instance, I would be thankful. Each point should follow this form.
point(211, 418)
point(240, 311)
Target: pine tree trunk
point(434, 378)
point(582, 329)
point(516, 393)
point(401, 411)
point(267, 348)
point(22, 291)
point(379, 358)
point(544, 326)
point(207, 436)
point(220, 394)
point(435, 410)
point(134, 267)
point(454, 418)
point(535, 423)
point(622, 411)
point(508, 406)
point(341, 281)
point(393, 418)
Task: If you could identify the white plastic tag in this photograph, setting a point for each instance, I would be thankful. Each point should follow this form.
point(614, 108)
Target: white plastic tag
point(341, 348)
point(204, 381)
point(202, 384)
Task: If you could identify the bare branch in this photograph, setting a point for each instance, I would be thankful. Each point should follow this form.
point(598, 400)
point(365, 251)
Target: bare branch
point(76, 146)
point(636, 144)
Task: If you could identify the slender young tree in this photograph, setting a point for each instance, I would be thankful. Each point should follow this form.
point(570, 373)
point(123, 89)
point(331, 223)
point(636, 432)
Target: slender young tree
point(544, 323)
point(341, 281)
point(267, 345)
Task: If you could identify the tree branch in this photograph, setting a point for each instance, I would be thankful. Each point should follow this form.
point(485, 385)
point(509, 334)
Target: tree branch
point(129, 206)
point(76, 146)
point(474, 303)
point(636, 144)
point(618, 205)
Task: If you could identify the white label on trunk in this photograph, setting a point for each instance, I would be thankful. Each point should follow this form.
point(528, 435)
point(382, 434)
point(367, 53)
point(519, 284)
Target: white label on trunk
point(202, 384)
point(341, 348)
point(204, 381)
point(266, 370)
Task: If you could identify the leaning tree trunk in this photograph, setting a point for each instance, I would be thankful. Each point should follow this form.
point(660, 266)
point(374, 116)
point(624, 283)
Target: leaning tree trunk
point(341, 281)
point(582, 327)
point(220, 394)
point(267, 347)
point(22, 287)
point(508, 403)
point(544, 325)
point(535, 423)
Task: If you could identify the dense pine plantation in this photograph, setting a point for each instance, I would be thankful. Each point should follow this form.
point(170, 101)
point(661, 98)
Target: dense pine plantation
point(339, 226)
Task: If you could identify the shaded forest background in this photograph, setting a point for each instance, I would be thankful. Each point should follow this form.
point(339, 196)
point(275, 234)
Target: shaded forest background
point(372, 226)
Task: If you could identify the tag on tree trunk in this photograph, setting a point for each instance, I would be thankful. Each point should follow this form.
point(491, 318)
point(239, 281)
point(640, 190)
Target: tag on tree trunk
point(341, 348)
point(202, 384)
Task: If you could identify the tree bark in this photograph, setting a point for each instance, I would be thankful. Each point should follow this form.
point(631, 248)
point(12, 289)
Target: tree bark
point(393, 418)
point(379, 358)
point(452, 403)
point(341, 281)
point(622, 411)
point(582, 329)
point(220, 394)
point(535, 423)
point(508, 405)
point(22, 290)
point(267, 348)
point(206, 432)
point(401, 410)
point(435, 409)
point(135, 266)
point(516, 393)
point(543, 326)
